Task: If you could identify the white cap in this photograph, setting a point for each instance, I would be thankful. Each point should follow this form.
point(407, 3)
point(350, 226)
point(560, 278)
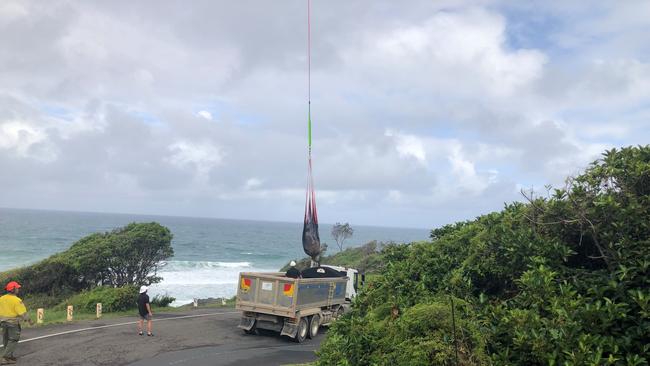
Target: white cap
point(292, 264)
point(143, 289)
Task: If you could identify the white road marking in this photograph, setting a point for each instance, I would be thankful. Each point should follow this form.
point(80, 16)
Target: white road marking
point(121, 324)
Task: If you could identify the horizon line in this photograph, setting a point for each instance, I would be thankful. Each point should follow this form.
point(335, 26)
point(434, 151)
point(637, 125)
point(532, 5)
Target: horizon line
point(194, 217)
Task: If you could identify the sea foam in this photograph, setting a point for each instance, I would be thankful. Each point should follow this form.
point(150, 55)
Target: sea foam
point(186, 280)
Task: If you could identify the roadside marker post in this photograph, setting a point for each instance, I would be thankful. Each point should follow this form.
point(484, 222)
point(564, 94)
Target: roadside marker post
point(40, 315)
point(70, 312)
point(99, 310)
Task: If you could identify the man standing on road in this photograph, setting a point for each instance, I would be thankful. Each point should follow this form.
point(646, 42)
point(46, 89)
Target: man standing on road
point(12, 311)
point(144, 308)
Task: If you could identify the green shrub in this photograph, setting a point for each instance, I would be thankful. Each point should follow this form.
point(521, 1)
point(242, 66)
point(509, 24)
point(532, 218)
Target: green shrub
point(560, 280)
point(112, 299)
point(366, 258)
point(124, 256)
point(162, 301)
point(35, 301)
point(421, 335)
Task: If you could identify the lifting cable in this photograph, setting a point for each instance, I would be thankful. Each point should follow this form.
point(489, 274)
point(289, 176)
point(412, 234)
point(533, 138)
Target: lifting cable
point(310, 236)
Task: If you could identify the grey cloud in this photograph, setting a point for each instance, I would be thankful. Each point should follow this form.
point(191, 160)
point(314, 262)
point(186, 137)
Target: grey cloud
point(115, 87)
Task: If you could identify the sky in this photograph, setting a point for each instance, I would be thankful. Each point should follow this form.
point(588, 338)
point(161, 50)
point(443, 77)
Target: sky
point(424, 112)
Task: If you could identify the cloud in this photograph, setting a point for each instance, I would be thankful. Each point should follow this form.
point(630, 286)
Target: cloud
point(459, 51)
point(205, 114)
point(422, 114)
point(409, 146)
point(19, 137)
point(203, 156)
point(465, 173)
point(10, 10)
point(252, 183)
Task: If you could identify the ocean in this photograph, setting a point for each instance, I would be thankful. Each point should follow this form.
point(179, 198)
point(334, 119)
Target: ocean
point(208, 253)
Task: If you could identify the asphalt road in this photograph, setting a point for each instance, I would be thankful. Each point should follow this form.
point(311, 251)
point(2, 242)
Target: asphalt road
point(194, 338)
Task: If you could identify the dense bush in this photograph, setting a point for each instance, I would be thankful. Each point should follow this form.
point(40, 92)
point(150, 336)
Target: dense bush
point(111, 298)
point(559, 280)
point(124, 256)
point(162, 301)
point(366, 258)
point(421, 335)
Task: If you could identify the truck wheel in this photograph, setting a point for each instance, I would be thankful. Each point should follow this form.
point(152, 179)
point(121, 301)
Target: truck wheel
point(253, 329)
point(339, 312)
point(303, 329)
point(314, 324)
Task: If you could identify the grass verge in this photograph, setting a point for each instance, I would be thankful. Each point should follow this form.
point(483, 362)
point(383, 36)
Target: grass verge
point(57, 316)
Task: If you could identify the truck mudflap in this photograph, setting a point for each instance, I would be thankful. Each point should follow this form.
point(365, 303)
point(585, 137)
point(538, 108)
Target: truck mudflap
point(289, 329)
point(246, 323)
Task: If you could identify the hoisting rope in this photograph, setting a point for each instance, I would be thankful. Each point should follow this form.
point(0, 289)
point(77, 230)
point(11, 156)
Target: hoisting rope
point(310, 236)
point(309, 73)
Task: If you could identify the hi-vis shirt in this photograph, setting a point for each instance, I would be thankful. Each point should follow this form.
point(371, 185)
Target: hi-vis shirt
point(11, 308)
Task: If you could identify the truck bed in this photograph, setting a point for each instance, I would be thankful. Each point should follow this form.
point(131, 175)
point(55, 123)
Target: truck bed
point(275, 294)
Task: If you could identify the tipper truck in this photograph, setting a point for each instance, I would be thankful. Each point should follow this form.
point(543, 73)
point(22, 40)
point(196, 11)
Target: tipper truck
point(295, 307)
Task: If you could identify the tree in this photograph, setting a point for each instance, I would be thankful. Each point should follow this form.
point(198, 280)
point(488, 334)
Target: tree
point(340, 232)
point(125, 256)
point(137, 250)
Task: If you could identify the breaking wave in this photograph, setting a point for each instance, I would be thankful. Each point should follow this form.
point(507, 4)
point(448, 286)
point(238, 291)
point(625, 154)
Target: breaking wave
point(186, 280)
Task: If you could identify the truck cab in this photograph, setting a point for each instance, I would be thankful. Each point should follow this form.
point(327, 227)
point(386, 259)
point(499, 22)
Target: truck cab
point(353, 280)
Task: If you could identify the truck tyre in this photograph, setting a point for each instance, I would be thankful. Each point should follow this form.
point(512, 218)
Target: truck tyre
point(314, 324)
point(340, 311)
point(253, 330)
point(303, 330)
